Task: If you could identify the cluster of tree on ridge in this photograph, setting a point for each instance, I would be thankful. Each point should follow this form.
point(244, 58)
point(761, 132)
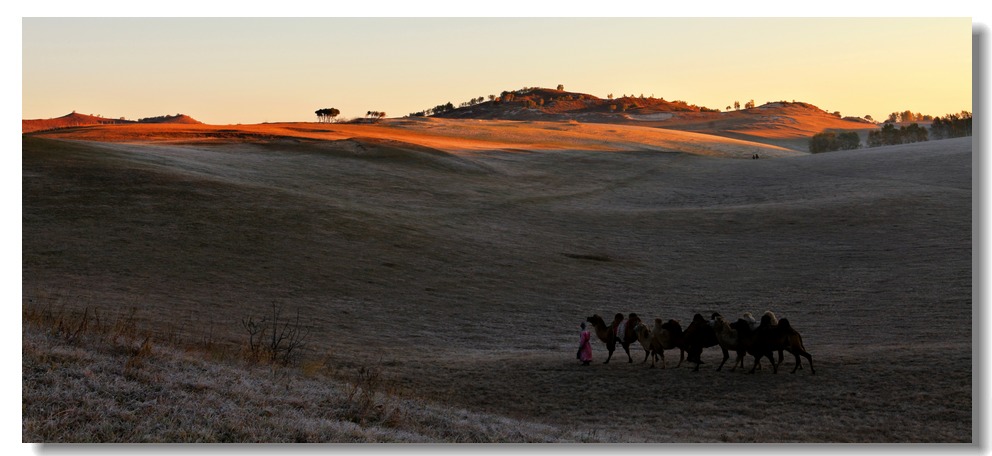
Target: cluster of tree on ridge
point(737, 105)
point(910, 116)
point(162, 119)
point(375, 115)
point(326, 115)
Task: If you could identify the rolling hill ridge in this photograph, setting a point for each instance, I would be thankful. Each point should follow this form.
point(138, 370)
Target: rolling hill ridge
point(75, 119)
point(783, 123)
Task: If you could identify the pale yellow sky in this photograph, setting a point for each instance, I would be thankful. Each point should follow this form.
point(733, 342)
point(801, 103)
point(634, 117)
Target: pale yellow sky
point(280, 69)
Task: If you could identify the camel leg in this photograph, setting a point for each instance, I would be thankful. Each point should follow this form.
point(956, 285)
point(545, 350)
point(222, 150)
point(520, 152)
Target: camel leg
point(646, 354)
point(808, 357)
point(726, 356)
point(626, 349)
point(799, 362)
point(757, 361)
point(697, 357)
point(681, 357)
point(739, 361)
point(771, 359)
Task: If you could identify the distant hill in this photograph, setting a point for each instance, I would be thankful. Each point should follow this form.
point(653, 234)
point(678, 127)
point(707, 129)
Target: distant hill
point(550, 104)
point(75, 119)
point(178, 119)
point(784, 123)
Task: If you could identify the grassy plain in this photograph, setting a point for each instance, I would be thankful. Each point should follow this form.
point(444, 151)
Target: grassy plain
point(457, 258)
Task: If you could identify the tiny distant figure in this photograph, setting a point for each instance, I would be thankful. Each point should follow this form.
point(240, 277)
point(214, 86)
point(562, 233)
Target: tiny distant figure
point(756, 156)
point(585, 348)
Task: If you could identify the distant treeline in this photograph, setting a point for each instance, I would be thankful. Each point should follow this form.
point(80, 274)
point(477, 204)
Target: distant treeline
point(830, 141)
point(159, 119)
point(439, 109)
point(949, 126)
point(890, 135)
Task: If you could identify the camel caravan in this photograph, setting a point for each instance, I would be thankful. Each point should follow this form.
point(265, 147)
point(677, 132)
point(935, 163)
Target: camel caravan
point(743, 337)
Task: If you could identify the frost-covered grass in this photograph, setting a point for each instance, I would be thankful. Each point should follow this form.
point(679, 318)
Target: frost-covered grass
point(108, 385)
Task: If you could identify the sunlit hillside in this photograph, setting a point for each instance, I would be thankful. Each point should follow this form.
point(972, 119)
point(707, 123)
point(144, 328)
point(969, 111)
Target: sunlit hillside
point(448, 135)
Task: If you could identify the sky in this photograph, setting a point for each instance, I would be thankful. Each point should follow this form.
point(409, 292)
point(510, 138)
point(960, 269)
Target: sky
point(269, 69)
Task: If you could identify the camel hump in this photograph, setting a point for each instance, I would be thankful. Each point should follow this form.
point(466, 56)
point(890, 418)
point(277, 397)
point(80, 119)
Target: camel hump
point(784, 325)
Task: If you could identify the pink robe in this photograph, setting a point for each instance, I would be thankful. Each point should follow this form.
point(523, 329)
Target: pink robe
point(585, 348)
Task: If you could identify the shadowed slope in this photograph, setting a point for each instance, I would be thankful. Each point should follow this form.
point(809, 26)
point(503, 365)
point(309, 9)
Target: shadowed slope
point(431, 272)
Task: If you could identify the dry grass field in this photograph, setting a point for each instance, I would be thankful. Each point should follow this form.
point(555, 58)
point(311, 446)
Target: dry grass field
point(456, 259)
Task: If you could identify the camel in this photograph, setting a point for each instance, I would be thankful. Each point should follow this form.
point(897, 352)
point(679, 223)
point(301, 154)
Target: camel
point(608, 335)
point(767, 338)
point(727, 338)
point(697, 336)
point(644, 337)
point(792, 342)
point(666, 336)
point(629, 333)
point(772, 320)
point(604, 333)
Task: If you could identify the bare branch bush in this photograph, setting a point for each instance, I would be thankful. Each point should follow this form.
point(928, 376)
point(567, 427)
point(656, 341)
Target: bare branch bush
point(275, 339)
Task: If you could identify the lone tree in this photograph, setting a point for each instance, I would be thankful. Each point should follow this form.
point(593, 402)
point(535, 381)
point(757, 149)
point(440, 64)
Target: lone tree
point(326, 114)
point(561, 87)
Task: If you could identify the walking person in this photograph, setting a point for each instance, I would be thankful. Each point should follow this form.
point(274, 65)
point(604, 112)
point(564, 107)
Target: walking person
point(585, 348)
